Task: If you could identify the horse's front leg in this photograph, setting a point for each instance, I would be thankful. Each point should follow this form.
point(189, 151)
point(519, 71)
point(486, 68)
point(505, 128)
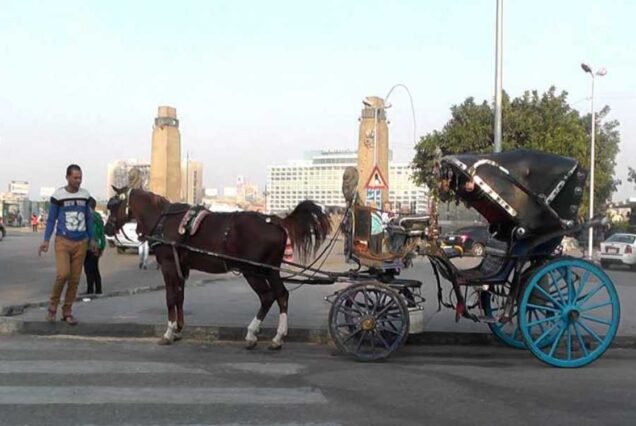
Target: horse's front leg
point(171, 281)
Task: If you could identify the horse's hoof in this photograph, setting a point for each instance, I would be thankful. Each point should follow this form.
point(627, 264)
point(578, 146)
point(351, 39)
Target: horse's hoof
point(163, 341)
point(275, 346)
point(177, 337)
point(250, 344)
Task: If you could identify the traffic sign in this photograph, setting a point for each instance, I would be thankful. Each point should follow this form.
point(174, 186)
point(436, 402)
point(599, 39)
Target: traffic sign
point(376, 180)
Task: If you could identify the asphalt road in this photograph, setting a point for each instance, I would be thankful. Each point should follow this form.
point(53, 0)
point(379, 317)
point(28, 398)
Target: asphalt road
point(61, 381)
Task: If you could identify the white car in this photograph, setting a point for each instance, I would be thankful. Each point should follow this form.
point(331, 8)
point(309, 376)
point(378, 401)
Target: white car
point(127, 241)
point(619, 249)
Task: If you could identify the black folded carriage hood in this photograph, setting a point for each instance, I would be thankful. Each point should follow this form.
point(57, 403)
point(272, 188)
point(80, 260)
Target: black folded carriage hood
point(529, 191)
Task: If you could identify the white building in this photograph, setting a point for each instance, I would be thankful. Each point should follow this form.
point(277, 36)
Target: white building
point(319, 178)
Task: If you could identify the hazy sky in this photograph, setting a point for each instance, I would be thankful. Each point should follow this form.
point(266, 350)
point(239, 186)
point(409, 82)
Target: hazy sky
point(258, 83)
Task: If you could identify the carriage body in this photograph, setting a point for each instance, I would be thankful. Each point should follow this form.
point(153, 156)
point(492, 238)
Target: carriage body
point(565, 310)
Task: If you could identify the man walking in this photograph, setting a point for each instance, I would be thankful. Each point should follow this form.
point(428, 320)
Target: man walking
point(72, 219)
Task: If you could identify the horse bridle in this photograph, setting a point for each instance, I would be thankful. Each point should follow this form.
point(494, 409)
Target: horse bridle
point(124, 197)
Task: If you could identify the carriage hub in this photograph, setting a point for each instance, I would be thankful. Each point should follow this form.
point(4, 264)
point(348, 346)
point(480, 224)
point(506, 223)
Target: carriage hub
point(367, 323)
point(570, 314)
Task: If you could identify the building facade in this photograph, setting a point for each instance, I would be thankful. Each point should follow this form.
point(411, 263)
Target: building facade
point(165, 159)
point(118, 172)
point(319, 178)
point(192, 182)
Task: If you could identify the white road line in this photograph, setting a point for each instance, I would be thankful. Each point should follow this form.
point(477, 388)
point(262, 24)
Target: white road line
point(94, 367)
point(82, 395)
point(269, 368)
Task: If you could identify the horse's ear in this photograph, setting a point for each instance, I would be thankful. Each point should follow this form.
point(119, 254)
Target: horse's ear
point(117, 190)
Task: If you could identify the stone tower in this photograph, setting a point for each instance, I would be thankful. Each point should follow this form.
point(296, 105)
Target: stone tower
point(165, 159)
point(373, 152)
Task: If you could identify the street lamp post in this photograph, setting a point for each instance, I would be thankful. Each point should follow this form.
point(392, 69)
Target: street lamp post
point(498, 74)
point(601, 72)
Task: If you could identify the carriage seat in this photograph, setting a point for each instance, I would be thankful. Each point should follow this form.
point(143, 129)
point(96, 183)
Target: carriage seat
point(494, 267)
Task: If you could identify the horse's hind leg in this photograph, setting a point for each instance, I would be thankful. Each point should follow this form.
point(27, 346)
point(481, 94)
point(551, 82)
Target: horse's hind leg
point(266, 296)
point(282, 297)
point(180, 314)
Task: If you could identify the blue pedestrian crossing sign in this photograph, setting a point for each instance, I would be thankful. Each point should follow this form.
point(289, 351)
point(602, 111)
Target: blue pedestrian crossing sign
point(376, 180)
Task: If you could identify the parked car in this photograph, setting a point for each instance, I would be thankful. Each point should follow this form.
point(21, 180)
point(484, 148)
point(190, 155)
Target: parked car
point(127, 241)
point(472, 239)
point(3, 231)
point(619, 249)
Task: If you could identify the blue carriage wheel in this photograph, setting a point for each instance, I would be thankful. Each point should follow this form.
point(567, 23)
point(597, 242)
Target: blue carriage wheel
point(576, 303)
point(509, 333)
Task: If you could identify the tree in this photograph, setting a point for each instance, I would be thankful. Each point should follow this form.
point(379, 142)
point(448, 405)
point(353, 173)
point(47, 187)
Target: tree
point(631, 175)
point(543, 122)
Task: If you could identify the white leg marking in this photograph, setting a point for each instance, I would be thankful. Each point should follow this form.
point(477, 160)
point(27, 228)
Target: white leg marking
point(170, 331)
point(281, 331)
point(253, 329)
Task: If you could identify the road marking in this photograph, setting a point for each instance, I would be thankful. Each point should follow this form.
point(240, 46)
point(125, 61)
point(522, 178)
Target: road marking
point(94, 367)
point(243, 424)
point(82, 395)
point(269, 368)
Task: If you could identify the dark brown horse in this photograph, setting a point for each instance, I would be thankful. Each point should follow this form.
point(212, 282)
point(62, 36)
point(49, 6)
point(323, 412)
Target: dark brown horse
point(246, 235)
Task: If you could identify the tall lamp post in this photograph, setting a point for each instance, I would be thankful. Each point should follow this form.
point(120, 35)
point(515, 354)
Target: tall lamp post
point(600, 73)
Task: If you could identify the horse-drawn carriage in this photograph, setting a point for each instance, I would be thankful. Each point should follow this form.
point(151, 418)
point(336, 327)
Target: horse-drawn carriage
point(564, 310)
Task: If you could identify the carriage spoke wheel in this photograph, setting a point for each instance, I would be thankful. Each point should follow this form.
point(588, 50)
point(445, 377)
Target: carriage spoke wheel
point(368, 321)
point(509, 332)
point(575, 302)
point(492, 303)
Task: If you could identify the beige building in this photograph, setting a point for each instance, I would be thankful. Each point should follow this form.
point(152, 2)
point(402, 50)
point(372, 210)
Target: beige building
point(118, 172)
point(165, 160)
point(373, 152)
point(318, 177)
point(192, 181)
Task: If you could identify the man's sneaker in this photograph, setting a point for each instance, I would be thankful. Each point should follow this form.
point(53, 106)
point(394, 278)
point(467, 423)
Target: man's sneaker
point(50, 315)
point(69, 319)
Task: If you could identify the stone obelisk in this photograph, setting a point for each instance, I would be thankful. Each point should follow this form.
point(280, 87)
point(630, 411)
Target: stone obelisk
point(165, 160)
point(373, 152)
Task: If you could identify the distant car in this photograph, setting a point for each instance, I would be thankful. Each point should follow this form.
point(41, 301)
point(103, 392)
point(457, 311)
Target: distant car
point(619, 249)
point(125, 241)
point(3, 231)
point(472, 239)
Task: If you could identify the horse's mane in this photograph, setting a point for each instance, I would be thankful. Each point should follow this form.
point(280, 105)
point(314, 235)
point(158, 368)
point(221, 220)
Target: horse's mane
point(155, 199)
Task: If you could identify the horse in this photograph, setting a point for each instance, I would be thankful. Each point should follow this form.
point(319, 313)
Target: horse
point(248, 236)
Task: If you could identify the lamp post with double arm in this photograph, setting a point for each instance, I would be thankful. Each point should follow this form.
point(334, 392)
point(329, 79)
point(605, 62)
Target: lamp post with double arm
point(600, 73)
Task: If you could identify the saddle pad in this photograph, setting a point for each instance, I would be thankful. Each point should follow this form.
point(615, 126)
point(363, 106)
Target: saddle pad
point(192, 220)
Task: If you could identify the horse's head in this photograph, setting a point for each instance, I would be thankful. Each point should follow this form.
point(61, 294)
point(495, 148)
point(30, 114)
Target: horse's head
point(118, 210)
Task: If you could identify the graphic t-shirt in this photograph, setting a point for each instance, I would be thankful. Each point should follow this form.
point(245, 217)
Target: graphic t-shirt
point(72, 214)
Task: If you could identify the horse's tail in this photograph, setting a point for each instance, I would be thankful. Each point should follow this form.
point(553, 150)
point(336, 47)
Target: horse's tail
point(307, 227)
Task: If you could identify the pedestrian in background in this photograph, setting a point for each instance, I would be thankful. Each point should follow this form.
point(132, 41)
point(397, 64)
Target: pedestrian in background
point(91, 262)
point(34, 222)
point(71, 218)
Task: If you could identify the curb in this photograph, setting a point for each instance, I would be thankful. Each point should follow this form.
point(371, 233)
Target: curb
point(13, 326)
